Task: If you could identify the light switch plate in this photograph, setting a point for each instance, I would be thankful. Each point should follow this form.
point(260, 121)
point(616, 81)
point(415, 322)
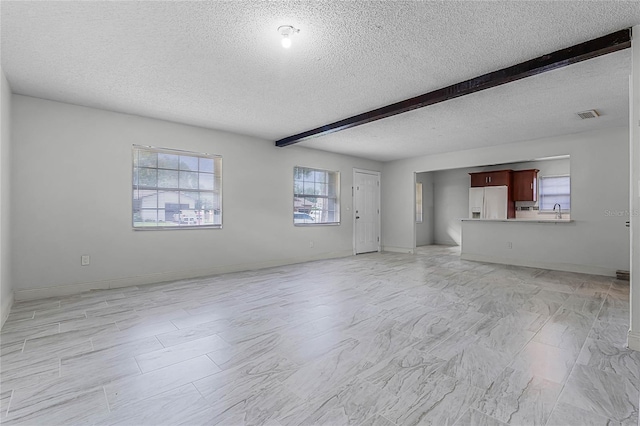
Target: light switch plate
point(85, 260)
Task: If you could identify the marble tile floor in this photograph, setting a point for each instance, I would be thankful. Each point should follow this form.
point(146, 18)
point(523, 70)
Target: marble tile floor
point(376, 339)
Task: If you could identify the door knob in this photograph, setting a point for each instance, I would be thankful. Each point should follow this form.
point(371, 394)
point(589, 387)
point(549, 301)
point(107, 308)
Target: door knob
point(357, 217)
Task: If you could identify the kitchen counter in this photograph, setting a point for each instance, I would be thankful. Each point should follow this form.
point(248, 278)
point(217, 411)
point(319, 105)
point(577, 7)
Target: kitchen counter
point(520, 220)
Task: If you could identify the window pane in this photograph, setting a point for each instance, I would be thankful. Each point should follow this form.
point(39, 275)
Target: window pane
point(332, 190)
point(147, 198)
point(189, 208)
point(321, 189)
point(170, 192)
point(147, 159)
point(321, 177)
point(309, 188)
point(206, 165)
point(167, 178)
point(172, 213)
point(206, 181)
point(168, 197)
point(207, 201)
point(555, 190)
point(188, 163)
point(315, 198)
point(188, 180)
point(167, 161)
point(147, 177)
point(162, 217)
point(190, 200)
point(148, 217)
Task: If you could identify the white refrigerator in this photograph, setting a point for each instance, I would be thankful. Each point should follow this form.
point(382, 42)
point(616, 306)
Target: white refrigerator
point(489, 202)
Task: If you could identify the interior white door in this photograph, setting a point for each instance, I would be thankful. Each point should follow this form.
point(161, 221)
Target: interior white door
point(366, 209)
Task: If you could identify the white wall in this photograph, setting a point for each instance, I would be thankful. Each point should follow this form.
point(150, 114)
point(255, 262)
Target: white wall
point(73, 197)
point(6, 287)
point(450, 203)
point(599, 180)
point(424, 230)
point(451, 194)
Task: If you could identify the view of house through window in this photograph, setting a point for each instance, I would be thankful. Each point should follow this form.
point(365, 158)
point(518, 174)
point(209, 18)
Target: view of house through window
point(555, 189)
point(316, 198)
point(173, 189)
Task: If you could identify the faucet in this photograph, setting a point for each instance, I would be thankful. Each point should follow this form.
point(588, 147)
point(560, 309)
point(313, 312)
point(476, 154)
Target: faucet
point(559, 212)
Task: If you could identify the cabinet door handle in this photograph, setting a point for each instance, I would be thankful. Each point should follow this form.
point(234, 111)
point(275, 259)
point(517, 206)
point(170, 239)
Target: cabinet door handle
point(531, 185)
point(489, 179)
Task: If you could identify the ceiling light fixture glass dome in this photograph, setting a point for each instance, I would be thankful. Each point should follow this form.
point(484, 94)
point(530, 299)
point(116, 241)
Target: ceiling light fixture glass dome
point(286, 31)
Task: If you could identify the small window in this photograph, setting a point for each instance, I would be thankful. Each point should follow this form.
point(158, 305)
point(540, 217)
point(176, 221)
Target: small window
point(418, 202)
point(316, 196)
point(176, 189)
point(555, 190)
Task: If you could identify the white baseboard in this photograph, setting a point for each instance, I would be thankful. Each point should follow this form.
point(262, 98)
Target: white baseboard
point(5, 308)
point(633, 340)
point(66, 290)
point(568, 267)
point(398, 249)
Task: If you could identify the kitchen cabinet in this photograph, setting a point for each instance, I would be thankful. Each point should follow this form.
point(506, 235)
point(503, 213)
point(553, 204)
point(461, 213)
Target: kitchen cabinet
point(495, 178)
point(478, 179)
point(525, 185)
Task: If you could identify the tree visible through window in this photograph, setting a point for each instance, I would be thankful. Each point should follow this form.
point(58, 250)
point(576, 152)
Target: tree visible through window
point(173, 189)
point(316, 198)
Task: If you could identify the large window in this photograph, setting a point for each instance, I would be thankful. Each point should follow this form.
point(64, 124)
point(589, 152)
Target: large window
point(176, 189)
point(555, 190)
point(316, 196)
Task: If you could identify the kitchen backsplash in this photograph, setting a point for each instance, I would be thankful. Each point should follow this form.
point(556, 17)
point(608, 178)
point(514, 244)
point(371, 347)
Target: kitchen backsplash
point(535, 214)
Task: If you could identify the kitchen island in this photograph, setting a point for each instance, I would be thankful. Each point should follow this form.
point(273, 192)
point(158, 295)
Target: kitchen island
point(559, 244)
point(518, 220)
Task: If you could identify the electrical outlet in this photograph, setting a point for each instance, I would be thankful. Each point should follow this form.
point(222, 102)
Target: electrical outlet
point(310, 244)
point(85, 260)
point(509, 245)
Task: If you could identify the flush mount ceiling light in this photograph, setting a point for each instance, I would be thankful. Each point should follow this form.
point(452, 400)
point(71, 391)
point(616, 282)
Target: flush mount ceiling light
point(286, 31)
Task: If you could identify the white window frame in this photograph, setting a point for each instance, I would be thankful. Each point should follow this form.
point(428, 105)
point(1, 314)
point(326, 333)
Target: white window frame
point(196, 217)
point(297, 196)
point(541, 195)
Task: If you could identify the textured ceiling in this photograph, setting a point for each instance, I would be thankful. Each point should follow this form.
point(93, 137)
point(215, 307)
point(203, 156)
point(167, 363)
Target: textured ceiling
point(220, 65)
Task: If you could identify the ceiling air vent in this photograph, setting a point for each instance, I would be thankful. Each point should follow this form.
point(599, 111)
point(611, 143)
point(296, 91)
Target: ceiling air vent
point(592, 113)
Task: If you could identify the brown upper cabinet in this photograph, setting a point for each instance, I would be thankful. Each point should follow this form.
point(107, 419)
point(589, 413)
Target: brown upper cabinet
point(495, 178)
point(525, 185)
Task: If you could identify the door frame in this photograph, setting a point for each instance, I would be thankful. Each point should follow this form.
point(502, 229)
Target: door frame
point(353, 206)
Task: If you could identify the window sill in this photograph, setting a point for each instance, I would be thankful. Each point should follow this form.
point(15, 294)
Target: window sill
point(174, 228)
point(317, 224)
